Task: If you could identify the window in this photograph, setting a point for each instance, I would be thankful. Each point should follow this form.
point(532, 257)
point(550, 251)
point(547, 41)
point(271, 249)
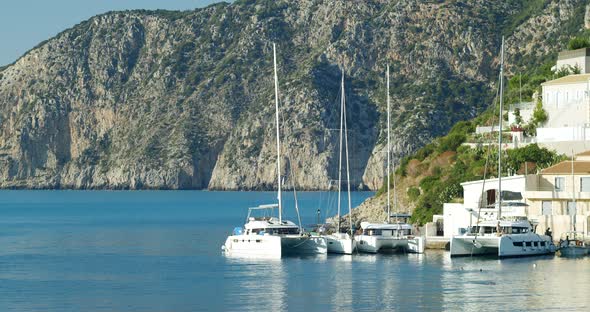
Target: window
point(542, 244)
point(546, 208)
point(559, 184)
point(517, 244)
point(585, 184)
point(528, 244)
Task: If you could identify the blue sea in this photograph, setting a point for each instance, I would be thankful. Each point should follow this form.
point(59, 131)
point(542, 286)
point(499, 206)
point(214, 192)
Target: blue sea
point(160, 251)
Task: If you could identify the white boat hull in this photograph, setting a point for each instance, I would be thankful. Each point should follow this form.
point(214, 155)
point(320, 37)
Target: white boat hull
point(303, 245)
point(519, 245)
point(375, 244)
point(274, 246)
point(341, 243)
point(416, 244)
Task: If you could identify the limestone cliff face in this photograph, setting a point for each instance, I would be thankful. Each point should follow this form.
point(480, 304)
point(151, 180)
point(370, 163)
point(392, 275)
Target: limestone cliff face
point(161, 99)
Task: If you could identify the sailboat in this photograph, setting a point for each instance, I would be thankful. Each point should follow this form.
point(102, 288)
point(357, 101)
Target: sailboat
point(377, 237)
point(339, 242)
point(498, 236)
point(573, 243)
point(266, 235)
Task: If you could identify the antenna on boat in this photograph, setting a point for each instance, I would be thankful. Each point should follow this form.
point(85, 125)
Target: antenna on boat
point(500, 132)
point(274, 51)
point(388, 150)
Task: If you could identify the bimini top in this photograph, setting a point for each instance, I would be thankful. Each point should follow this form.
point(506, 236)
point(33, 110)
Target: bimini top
point(269, 223)
point(385, 226)
point(506, 223)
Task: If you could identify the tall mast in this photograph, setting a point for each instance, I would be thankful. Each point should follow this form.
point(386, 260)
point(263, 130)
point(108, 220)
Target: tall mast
point(347, 161)
point(500, 132)
point(388, 150)
point(340, 153)
point(274, 51)
point(573, 195)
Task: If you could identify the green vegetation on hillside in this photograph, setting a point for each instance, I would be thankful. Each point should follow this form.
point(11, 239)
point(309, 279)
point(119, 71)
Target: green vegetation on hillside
point(435, 173)
point(580, 41)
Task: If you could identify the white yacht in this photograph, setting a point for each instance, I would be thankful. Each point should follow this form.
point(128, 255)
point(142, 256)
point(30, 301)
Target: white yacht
point(272, 236)
point(499, 236)
point(503, 238)
point(339, 242)
point(377, 237)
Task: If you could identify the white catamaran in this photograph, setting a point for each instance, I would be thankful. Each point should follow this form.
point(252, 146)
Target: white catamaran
point(499, 236)
point(267, 236)
point(376, 237)
point(339, 242)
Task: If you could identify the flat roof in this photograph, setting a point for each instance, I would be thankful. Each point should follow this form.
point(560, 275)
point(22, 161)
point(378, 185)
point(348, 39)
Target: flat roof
point(565, 167)
point(567, 54)
point(568, 79)
point(514, 177)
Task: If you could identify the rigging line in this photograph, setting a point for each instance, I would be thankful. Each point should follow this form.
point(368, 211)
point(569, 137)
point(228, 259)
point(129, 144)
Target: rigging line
point(288, 153)
point(280, 115)
point(485, 171)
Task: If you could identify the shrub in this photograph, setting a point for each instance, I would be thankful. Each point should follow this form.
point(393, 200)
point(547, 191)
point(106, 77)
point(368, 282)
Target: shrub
point(578, 43)
point(413, 193)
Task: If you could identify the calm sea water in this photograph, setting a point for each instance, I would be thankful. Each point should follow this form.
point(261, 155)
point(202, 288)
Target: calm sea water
point(160, 251)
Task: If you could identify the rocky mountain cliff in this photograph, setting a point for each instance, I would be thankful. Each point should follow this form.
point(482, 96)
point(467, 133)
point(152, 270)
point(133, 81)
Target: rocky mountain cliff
point(182, 100)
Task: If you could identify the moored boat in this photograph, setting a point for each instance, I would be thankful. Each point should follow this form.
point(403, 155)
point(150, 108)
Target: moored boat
point(501, 237)
point(377, 237)
point(574, 244)
point(342, 242)
point(504, 238)
point(270, 236)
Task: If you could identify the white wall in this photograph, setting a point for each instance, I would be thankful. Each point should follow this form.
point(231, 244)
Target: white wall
point(583, 62)
point(472, 191)
point(455, 217)
point(559, 134)
point(566, 104)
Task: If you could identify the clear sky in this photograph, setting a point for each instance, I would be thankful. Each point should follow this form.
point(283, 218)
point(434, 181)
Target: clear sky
point(25, 23)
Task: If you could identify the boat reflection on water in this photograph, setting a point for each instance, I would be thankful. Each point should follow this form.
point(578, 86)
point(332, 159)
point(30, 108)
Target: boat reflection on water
point(344, 282)
point(250, 276)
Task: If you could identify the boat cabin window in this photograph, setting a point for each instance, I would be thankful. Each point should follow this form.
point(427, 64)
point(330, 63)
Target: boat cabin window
point(542, 244)
point(517, 244)
point(528, 244)
point(519, 230)
point(372, 232)
point(282, 230)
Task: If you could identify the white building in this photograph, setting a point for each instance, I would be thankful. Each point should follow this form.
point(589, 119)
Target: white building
point(573, 58)
point(553, 197)
point(567, 101)
point(483, 193)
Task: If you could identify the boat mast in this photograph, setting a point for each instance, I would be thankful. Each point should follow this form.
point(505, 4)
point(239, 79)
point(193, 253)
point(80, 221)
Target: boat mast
point(573, 195)
point(274, 51)
point(500, 132)
point(347, 160)
point(340, 152)
point(388, 150)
